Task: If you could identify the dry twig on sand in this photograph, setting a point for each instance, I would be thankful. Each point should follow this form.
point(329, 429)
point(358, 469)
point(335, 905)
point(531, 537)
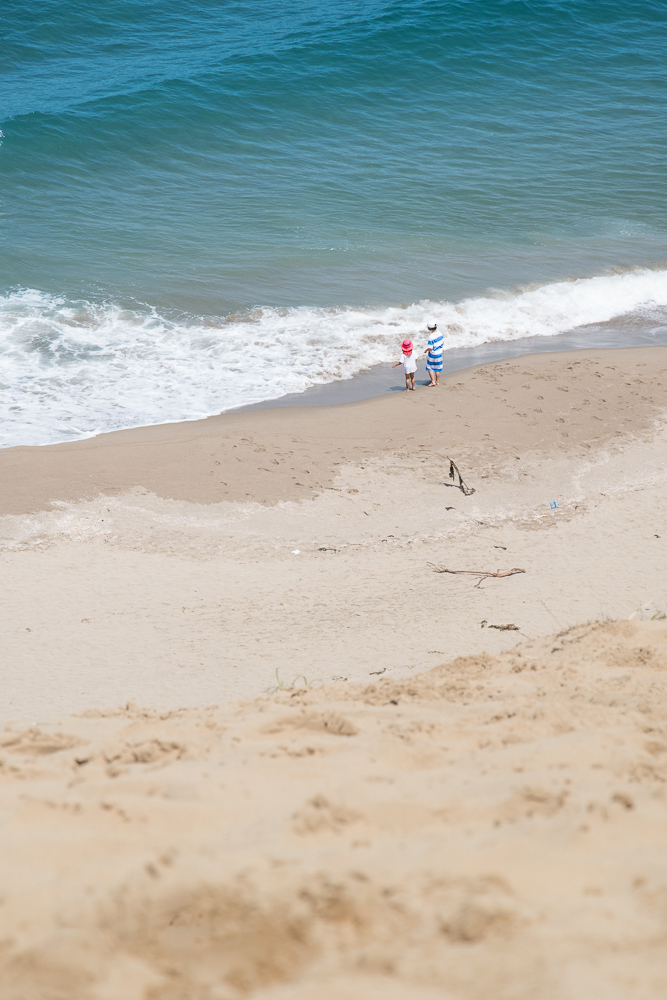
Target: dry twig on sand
point(453, 472)
point(502, 628)
point(483, 574)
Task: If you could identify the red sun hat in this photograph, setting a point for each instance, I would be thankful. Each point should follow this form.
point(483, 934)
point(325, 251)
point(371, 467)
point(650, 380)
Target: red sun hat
point(406, 347)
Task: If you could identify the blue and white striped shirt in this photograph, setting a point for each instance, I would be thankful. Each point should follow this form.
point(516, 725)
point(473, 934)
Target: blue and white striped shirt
point(435, 348)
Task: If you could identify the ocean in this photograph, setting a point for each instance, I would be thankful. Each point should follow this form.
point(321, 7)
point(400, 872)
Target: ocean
point(208, 204)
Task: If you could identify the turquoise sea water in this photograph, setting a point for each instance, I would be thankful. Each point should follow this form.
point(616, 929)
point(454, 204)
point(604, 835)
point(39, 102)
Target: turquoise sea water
point(207, 203)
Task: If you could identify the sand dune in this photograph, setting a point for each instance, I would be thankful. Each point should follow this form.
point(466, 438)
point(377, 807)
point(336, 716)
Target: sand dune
point(493, 827)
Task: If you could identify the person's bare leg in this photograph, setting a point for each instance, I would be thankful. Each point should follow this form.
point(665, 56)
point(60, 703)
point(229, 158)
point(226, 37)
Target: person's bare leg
point(432, 382)
point(437, 378)
point(407, 382)
point(412, 380)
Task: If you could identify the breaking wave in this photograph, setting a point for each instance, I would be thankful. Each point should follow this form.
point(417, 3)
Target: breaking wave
point(71, 369)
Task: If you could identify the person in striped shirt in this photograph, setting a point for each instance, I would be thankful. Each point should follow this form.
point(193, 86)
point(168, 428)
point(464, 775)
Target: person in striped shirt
point(434, 354)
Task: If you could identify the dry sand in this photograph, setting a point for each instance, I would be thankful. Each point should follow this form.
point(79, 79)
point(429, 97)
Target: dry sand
point(493, 828)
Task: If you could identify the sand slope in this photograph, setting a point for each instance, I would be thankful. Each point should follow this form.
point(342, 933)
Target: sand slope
point(492, 828)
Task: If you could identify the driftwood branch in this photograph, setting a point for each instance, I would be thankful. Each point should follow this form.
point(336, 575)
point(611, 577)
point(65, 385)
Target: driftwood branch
point(482, 574)
point(502, 628)
point(453, 473)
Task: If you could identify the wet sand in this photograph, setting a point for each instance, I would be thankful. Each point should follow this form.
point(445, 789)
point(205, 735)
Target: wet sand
point(381, 380)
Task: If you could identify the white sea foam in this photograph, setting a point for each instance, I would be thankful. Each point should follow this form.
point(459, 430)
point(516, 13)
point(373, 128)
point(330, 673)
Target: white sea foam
point(73, 369)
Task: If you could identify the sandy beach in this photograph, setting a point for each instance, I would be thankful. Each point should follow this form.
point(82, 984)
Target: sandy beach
point(158, 565)
point(257, 745)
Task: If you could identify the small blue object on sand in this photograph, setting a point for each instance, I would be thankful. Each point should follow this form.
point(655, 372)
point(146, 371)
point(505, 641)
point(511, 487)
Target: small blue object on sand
point(553, 505)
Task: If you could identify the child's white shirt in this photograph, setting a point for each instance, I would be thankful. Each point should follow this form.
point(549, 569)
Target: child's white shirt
point(410, 363)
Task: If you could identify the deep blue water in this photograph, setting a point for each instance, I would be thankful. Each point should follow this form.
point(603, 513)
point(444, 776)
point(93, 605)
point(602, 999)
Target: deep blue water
point(188, 189)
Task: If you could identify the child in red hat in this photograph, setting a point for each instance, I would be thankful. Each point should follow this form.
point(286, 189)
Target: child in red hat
point(409, 362)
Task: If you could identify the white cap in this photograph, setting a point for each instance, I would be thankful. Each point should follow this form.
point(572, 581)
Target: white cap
point(431, 323)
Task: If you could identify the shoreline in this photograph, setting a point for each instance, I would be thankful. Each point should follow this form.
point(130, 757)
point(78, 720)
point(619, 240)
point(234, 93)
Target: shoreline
point(381, 380)
point(221, 458)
